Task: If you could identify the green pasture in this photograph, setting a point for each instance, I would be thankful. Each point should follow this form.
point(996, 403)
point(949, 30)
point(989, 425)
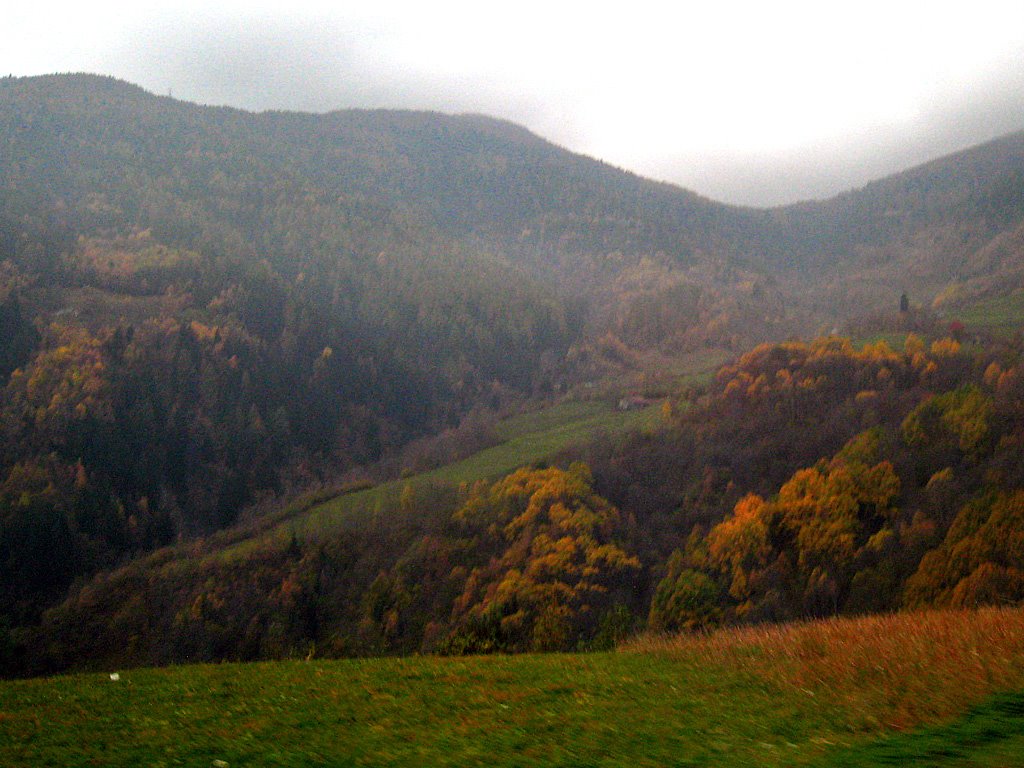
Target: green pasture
point(601, 709)
point(526, 439)
point(1001, 314)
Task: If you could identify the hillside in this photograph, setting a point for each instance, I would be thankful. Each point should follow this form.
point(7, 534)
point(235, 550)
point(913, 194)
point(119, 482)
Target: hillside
point(208, 312)
point(807, 479)
point(367, 181)
point(326, 197)
point(915, 689)
point(386, 172)
point(943, 231)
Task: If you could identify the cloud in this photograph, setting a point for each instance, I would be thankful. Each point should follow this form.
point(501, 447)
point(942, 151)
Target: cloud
point(316, 65)
point(272, 64)
point(960, 114)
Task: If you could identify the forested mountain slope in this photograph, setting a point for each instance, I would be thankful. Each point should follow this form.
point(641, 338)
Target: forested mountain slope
point(202, 306)
point(328, 197)
point(947, 231)
point(811, 479)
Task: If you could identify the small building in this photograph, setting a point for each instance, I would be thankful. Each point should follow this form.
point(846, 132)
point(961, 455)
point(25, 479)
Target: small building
point(633, 403)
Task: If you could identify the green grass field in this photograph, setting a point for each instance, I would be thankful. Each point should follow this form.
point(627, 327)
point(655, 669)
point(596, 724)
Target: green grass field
point(1001, 314)
point(991, 735)
point(825, 694)
point(525, 439)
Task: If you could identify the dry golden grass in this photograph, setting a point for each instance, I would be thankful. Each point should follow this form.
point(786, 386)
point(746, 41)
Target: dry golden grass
point(897, 671)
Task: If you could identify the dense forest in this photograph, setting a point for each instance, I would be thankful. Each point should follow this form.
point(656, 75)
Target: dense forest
point(205, 311)
point(810, 479)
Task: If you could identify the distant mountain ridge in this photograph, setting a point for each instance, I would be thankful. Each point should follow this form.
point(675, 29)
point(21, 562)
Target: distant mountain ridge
point(475, 176)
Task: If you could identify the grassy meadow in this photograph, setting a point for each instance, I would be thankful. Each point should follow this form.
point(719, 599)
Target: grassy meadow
point(1000, 314)
point(524, 439)
point(932, 689)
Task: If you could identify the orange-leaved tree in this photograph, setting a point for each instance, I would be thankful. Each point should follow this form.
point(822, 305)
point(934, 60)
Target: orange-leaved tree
point(797, 554)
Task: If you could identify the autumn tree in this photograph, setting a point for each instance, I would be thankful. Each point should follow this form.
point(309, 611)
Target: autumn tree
point(557, 565)
point(685, 599)
point(981, 560)
point(797, 553)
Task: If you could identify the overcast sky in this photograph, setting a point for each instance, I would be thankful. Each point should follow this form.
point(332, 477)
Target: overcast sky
point(749, 102)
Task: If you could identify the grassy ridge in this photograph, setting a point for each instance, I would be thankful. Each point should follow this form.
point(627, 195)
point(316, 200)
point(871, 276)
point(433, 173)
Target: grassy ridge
point(884, 671)
point(525, 439)
point(818, 694)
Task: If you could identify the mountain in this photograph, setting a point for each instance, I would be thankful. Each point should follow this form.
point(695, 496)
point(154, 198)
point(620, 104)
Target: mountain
point(458, 175)
point(204, 308)
point(936, 230)
point(302, 191)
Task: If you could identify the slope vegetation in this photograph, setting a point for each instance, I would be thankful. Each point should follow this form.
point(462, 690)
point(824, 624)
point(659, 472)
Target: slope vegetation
point(808, 480)
point(819, 694)
point(206, 308)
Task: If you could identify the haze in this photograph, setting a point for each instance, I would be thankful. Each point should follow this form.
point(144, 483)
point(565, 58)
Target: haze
point(750, 103)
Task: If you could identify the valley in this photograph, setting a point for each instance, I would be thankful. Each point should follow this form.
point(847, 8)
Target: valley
point(319, 428)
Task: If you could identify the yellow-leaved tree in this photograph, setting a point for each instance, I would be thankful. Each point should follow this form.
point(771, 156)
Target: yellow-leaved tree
point(557, 572)
point(809, 550)
point(981, 560)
